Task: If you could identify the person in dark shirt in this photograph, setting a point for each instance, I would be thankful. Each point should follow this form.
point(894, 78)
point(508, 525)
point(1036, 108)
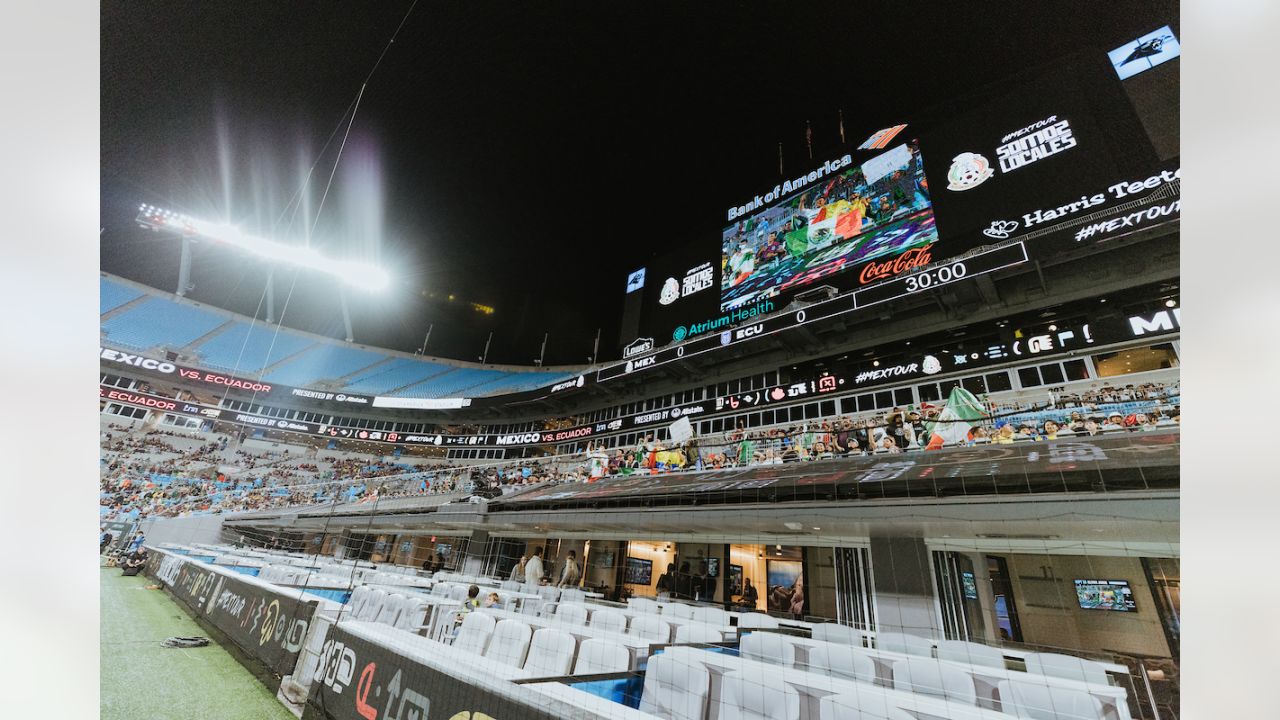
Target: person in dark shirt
point(684, 582)
point(704, 585)
point(749, 595)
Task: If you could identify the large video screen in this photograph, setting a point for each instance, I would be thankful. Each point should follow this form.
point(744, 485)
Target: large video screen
point(1105, 595)
point(638, 571)
point(880, 207)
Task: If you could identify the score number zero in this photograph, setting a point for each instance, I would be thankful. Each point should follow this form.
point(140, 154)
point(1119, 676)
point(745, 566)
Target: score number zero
point(931, 278)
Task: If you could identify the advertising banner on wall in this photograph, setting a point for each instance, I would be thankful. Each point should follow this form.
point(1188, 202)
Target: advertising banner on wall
point(1057, 138)
point(269, 624)
point(363, 677)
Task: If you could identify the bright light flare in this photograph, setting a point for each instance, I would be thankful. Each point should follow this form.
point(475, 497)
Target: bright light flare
point(359, 274)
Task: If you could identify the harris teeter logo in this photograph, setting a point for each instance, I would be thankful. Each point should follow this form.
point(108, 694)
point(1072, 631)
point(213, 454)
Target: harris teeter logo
point(762, 307)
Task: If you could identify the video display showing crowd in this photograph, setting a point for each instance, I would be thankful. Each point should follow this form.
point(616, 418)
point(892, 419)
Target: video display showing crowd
point(878, 208)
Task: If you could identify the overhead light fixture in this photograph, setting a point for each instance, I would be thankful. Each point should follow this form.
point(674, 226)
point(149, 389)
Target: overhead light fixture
point(359, 274)
point(1170, 303)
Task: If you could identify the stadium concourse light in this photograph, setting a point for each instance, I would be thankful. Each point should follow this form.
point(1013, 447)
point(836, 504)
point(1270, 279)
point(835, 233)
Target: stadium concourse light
point(363, 275)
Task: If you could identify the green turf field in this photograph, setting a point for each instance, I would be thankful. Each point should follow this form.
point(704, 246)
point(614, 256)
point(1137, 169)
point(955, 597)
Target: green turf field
point(143, 681)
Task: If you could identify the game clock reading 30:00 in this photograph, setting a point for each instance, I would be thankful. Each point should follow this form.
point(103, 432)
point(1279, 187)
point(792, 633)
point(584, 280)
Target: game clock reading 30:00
point(942, 274)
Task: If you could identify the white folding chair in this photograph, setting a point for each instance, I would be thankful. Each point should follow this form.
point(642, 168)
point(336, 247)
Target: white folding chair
point(698, 633)
point(710, 615)
point(474, 634)
point(768, 647)
point(1039, 701)
point(675, 689)
point(752, 696)
point(644, 605)
point(601, 656)
point(971, 653)
point(651, 627)
point(837, 633)
point(550, 653)
point(842, 661)
point(859, 706)
point(680, 611)
point(609, 621)
point(756, 621)
point(391, 609)
point(927, 676)
point(571, 613)
point(509, 643)
point(904, 643)
point(1066, 666)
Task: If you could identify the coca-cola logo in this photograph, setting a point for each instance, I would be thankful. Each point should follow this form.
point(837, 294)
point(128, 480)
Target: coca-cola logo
point(909, 260)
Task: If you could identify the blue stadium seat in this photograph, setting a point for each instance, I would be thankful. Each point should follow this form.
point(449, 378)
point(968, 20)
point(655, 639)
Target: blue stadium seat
point(515, 382)
point(112, 295)
point(397, 373)
point(246, 348)
point(159, 321)
point(323, 362)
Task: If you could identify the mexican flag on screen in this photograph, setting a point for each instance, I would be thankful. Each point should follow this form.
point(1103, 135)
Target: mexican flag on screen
point(964, 411)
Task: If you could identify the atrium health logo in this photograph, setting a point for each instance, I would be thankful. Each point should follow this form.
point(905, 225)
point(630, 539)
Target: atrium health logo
point(680, 333)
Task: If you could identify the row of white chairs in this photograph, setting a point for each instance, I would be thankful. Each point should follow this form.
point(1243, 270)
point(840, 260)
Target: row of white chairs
point(647, 627)
point(407, 612)
point(676, 687)
point(547, 652)
point(1051, 664)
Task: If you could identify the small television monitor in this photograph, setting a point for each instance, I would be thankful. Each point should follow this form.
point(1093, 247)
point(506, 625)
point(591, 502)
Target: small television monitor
point(713, 567)
point(1105, 595)
point(638, 572)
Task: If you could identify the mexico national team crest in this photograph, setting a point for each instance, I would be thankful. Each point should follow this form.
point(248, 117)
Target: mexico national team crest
point(670, 292)
point(968, 171)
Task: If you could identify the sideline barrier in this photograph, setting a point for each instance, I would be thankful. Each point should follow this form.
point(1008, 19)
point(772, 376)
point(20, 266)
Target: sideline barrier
point(372, 671)
point(266, 623)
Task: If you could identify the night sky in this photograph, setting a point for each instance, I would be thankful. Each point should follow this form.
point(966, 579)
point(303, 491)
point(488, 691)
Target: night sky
point(523, 156)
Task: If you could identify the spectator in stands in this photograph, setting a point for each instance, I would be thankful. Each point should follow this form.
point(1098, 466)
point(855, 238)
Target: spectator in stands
point(704, 585)
point(667, 582)
point(1004, 435)
point(750, 597)
point(1114, 422)
point(684, 583)
point(438, 563)
point(103, 541)
point(889, 445)
point(138, 540)
point(569, 575)
point(517, 572)
point(1050, 430)
point(492, 600)
point(533, 571)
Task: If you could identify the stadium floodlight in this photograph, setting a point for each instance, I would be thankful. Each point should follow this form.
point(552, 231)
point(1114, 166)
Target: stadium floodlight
point(358, 274)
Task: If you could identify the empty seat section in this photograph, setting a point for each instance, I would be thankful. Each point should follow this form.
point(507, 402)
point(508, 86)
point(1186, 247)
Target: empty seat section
point(927, 676)
point(249, 348)
point(754, 620)
point(753, 696)
point(905, 643)
point(859, 706)
point(837, 633)
point(322, 362)
point(160, 322)
point(609, 621)
point(970, 653)
point(644, 605)
point(678, 611)
point(1029, 699)
point(842, 661)
point(391, 609)
point(395, 374)
point(710, 615)
point(1066, 666)
point(474, 634)
point(551, 653)
point(515, 382)
point(509, 643)
point(449, 384)
point(601, 656)
point(772, 648)
point(698, 633)
point(112, 295)
point(651, 627)
point(675, 689)
point(571, 613)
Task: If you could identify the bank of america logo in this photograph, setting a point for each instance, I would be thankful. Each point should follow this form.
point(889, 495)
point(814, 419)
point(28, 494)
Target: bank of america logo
point(680, 333)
